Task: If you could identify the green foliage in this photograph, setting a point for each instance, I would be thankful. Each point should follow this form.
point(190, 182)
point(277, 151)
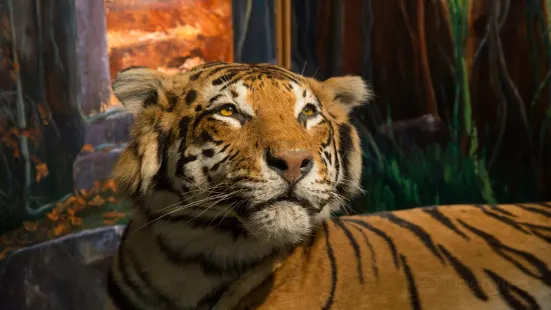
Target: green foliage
point(446, 174)
point(437, 175)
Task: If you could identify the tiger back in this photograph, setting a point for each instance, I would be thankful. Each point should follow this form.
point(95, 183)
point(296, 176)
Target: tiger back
point(441, 257)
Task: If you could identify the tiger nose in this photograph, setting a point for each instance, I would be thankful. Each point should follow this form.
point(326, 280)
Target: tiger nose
point(291, 165)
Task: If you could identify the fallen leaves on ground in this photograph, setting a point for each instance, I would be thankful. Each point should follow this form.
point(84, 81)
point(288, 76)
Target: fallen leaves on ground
point(67, 216)
point(41, 171)
point(30, 226)
point(87, 148)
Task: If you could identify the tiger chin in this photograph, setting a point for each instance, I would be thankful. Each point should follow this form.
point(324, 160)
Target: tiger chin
point(234, 171)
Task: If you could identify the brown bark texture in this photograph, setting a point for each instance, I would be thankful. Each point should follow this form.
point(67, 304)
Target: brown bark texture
point(412, 69)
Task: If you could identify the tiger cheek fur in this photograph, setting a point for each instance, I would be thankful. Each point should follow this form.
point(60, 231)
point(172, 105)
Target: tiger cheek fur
point(215, 133)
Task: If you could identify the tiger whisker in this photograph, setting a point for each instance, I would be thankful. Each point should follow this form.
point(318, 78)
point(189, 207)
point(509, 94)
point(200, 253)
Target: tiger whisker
point(181, 208)
point(207, 208)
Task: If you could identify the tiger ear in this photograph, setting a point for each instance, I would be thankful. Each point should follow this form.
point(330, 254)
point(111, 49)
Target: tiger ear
point(141, 87)
point(348, 92)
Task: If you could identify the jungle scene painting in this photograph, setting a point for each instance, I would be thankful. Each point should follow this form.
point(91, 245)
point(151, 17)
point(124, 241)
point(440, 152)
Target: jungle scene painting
point(461, 111)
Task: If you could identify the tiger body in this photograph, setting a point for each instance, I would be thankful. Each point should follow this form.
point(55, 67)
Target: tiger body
point(442, 257)
point(234, 171)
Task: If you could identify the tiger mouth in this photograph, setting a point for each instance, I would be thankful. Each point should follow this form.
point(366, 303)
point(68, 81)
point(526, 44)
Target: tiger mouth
point(247, 210)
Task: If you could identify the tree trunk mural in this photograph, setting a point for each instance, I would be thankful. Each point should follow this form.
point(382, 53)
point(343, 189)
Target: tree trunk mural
point(41, 126)
point(481, 68)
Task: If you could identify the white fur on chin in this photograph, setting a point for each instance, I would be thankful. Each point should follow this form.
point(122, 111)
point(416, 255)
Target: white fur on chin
point(281, 224)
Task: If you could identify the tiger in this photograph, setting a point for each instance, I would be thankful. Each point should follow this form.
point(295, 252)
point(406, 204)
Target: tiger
point(237, 174)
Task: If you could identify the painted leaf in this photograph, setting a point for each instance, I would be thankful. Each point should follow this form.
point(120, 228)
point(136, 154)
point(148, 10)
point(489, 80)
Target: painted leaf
point(114, 215)
point(79, 201)
point(109, 184)
point(30, 226)
point(41, 171)
point(113, 200)
point(76, 221)
point(53, 216)
point(109, 222)
point(97, 201)
point(4, 253)
point(59, 207)
point(60, 229)
point(96, 187)
point(44, 115)
point(87, 148)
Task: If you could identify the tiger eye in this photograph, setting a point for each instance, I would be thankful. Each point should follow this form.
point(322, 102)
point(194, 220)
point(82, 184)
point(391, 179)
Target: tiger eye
point(227, 110)
point(308, 110)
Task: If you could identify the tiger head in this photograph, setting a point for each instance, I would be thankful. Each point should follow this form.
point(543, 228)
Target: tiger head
point(269, 147)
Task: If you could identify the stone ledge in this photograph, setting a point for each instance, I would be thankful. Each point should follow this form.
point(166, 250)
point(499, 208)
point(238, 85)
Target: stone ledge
point(96, 166)
point(62, 274)
point(114, 129)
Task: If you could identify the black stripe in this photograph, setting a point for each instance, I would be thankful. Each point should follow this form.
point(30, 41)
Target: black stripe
point(151, 99)
point(465, 274)
point(228, 67)
point(184, 126)
point(209, 300)
point(290, 197)
point(223, 160)
point(226, 225)
point(333, 263)
point(499, 209)
point(545, 204)
point(417, 231)
point(208, 153)
point(123, 268)
point(143, 286)
point(508, 252)
point(505, 220)
point(340, 189)
point(172, 101)
point(512, 294)
point(327, 142)
point(534, 210)
point(277, 73)
point(214, 98)
point(199, 118)
point(354, 245)
point(224, 78)
point(209, 263)
point(162, 140)
point(444, 220)
point(206, 137)
point(121, 301)
point(160, 179)
point(195, 76)
point(412, 287)
point(381, 234)
point(345, 146)
point(542, 232)
point(234, 80)
point(191, 96)
point(374, 267)
point(209, 65)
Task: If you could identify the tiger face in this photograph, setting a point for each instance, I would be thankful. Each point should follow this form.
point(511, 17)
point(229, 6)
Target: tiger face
point(258, 143)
